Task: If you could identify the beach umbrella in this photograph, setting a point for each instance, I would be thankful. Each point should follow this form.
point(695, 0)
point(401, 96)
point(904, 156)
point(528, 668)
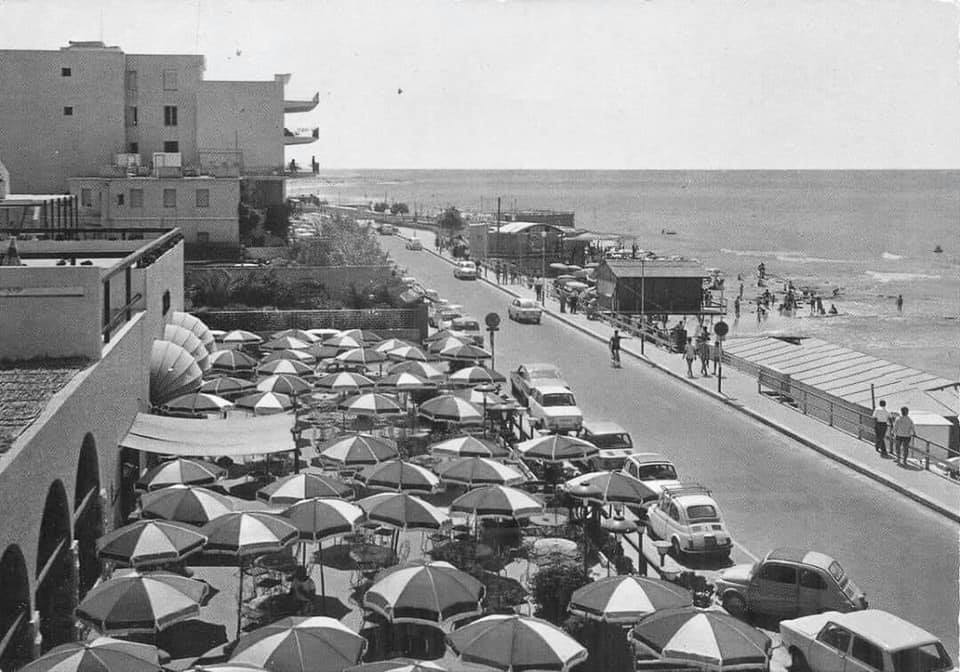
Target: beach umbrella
point(189, 341)
point(305, 356)
point(442, 344)
point(142, 603)
point(516, 643)
point(180, 471)
point(323, 333)
point(476, 471)
point(227, 385)
point(438, 336)
point(614, 487)
point(301, 644)
point(464, 352)
point(353, 450)
point(371, 403)
point(431, 593)
point(284, 384)
point(296, 333)
point(232, 360)
point(476, 375)
point(497, 501)
point(342, 342)
point(218, 335)
point(361, 335)
point(265, 403)
point(295, 487)
point(286, 343)
point(320, 351)
point(150, 542)
point(492, 400)
point(450, 408)
point(103, 654)
point(226, 667)
point(173, 371)
point(555, 448)
point(405, 382)
point(712, 640)
point(421, 369)
point(363, 356)
point(241, 337)
point(186, 504)
point(403, 511)
point(410, 353)
point(627, 599)
point(198, 402)
point(242, 534)
point(399, 476)
point(290, 367)
point(469, 446)
point(398, 665)
point(389, 344)
point(343, 381)
point(196, 326)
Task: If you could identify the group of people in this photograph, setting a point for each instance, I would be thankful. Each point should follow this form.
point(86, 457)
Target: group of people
point(703, 351)
point(900, 429)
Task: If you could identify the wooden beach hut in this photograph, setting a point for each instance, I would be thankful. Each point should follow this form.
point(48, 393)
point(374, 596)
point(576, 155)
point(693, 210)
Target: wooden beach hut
point(653, 286)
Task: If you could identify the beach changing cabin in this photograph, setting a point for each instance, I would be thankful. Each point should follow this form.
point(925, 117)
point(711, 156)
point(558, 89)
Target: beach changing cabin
point(653, 286)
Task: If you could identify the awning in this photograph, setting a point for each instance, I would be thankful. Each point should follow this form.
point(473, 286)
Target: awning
point(232, 436)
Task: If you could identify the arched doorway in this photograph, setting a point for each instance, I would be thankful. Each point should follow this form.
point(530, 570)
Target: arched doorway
point(16, 642)
point(88, 514)
point(56, 595)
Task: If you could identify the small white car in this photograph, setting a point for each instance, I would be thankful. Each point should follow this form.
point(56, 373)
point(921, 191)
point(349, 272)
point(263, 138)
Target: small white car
point(465, 270)
point(414, 244)
point(467, 329)
point(528, 375)
point(387, 229)
point(525, 310)
point(656, 471)
point(448, 314)
point(553, 407)
point(689, 518)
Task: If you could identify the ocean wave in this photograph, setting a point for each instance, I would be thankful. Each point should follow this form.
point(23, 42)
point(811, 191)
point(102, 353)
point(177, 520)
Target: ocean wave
point(803, 259)
point(881, 276)
point(891, 256)
point(760, 253)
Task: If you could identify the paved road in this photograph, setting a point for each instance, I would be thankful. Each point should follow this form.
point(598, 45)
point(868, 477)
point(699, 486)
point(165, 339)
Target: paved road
point(774, 491)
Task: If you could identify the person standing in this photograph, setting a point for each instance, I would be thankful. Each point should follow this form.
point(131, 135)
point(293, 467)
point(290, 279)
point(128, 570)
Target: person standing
point(615, 348)
point(496, 271)
point(715, 356)
point(899, 303)
point(573, 303)
point(689, 354)
point(736, 308)
point(703, 351)
point(881, 419)
point(903, 432)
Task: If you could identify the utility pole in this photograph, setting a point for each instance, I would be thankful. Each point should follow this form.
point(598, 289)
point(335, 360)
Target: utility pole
point(643, 305)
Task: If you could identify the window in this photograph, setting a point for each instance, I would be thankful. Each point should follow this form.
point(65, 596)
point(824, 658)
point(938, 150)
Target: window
point(811, 579)
point(702, 512)
point(86, 198)
point(136, 198)
point(171, 146)
point(169, 198)
point(68, 111)
point(169, 80)
point(134, 147)
point(835, 636)
point(132, 81)
point(120, 199)
point(132, 115)
point(203, 198)
point(867, 653)
point(169, 115)
point(203, 237)
point(673, 512)
point(925, 658)
point(66, 72)
point(778, 573)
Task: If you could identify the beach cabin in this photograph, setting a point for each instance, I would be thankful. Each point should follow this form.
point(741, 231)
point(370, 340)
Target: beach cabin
point(653, 286)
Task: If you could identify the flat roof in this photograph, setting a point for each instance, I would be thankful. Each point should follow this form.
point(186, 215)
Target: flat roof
point(25, 390)
point(655, 268)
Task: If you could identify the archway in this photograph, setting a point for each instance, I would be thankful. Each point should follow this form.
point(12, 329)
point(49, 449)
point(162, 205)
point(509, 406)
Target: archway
point(16, 642)
point(56, 595)
point(88, 515)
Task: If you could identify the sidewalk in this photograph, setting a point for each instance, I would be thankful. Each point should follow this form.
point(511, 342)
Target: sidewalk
point(740, 391)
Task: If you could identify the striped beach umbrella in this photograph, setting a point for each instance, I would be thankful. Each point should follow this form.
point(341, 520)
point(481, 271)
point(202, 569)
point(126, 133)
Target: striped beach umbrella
point(150, 542)
point(399, 665)
point(554, 448)
point(477, 471)
point(431, 593)
point(323, 333)
point(399, 476)
point(371, 403)
point(389, 344)
point(242, 534)
point(305, 356)
point(290, 367)
point(627, 599)
point(342, 342)
point(226, 386)
point(410, 353)
point(232, 360)
point(318, 518)
point(421, 369)
point(296, 333)
point(516, 643)
point(295, 487)
point(265, 403)
point(284, 384)
point(497, 501)
point(301, 644)
point(403, 511)
point(173, 371)
point(614, 487)
point(286, 343)
point(180, 471)
point(439, 345)
point(450, 408)
point(198, 402)
point(464, 353)
point(321, 351)
point(438, 336)
point(469, 446)
point(186, 504)
point(405, 382)
point(226, 667)
point(240, 337)
point(476, 375)
point(344, 381)
point(103, 654)
point(218, 335)
point(361, 356)
point(353, 450)
point(362, 335)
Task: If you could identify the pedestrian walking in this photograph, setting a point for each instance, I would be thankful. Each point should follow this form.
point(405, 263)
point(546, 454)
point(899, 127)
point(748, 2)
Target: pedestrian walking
point(736, 308)
point(615, 348)
point(903, 432)
point(562, 298)
point(881, 420)
point(573, 304)
point(703, 352)
point(496, 271)
point(689, 354)
point(899, 303)
point(715, 353)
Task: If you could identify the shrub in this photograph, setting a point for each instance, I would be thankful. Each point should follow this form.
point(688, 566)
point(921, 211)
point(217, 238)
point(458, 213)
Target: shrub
point(552, 587)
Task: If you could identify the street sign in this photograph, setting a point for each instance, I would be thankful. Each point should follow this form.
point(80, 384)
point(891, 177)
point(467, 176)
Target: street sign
point(721, 328)
point(492, 320)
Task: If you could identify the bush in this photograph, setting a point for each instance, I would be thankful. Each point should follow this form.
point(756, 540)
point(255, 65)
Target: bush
point(399, 209)
point(552, 587)
point(380, 206)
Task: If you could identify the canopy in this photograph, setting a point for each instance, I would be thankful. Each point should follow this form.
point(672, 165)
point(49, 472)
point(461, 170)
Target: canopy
point(232, 436)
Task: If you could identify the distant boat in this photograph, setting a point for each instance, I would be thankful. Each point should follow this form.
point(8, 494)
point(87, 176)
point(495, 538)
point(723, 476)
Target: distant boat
point(667, 232)
point(938, 249)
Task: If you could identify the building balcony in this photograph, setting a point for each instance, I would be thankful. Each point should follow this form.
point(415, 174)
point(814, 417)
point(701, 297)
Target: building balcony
point(291, 138)
point(294, 106)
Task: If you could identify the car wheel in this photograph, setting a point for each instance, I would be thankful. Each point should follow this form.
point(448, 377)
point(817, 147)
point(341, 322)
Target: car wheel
point(677, 551)
point(798, 661)
point(735, 604)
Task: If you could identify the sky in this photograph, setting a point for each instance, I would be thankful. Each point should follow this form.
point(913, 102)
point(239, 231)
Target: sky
point(590, 84)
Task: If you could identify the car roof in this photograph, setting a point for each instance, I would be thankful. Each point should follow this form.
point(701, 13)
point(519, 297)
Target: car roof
point(883, 628)
point(552, 388)
point(526, 302)
point(649, 458)
point(789, 554)
point(697, 500)
point(466, 318)
point(540, 366)
point(603, 427)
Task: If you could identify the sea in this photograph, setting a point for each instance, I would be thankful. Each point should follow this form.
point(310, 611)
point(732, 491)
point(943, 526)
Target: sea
point(869, 235)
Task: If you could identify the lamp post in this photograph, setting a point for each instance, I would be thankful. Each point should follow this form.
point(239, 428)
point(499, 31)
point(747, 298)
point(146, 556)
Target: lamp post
point(543, 260)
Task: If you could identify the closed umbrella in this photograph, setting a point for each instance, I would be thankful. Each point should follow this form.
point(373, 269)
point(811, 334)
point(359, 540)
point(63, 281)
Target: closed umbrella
point(142, 603)
point(147, 543)
point(295, 487)
point(464, 353)
point(476, 471)
point(232, 360)
point(410, 353)
point(227, 386)
point(517, 643)
point(186, 504)
point(450, 408)
point(286, 343)
point(627, 599)
point(469, 446)
point(265, 403)
point(305, 356)
point(363, 356)
point(196, 326)
point(555, 448)
point(403, 511)
point(431, 593)
point(614, 487)
point(399, 476)
point(290, 367)
point(476, 375)
point(421, 369)
point(173, 371)
point(354, 450)
point(190, 342)
point(405, 382)
point(180, 471)
point(284, 384)
point(301, 644)
point(241, 337)
point(711, 640)
point(103, 654)
point(296, 333)
point(497, 501)
point(344, 381)
point(198, 402)
point(371, 403)
point(389, 344)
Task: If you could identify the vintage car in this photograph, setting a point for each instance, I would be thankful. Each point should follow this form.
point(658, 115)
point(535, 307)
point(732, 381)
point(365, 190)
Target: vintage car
point(527, 374)
point(611, 439)
point(467, 329)
point(789, 582)
point(656, 471)
point(414, 244)
point(525, 310)
point(688, 517)
point(553, 407)
point(862, 641)
point(465, 270)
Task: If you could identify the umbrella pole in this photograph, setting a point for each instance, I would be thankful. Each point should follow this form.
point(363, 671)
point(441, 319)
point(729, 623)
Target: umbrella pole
point(240, 598)
point(323, 585)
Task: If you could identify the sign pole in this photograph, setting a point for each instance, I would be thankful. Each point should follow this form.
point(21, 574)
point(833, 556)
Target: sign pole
point(720, 329)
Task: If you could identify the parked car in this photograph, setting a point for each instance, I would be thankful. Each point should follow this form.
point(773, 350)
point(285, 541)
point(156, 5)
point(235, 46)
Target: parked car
point(387, 229)
point(414, 244)
point(613, 441)
point(553, 407)
point(653, 469)
point(525, 310)
point(862, 641)
point(468, 329)
point(689, 518)
point(789, 582)
point(465, 270)
point(448, 314)
point(527, 374)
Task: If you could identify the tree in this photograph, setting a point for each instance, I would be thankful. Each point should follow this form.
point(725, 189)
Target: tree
point(380, 206)
point(450, 222)
point(552, 587)
point(399, 209)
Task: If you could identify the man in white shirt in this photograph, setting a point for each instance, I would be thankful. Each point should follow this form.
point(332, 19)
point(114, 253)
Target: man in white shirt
point(881, 419)
point(903, 432)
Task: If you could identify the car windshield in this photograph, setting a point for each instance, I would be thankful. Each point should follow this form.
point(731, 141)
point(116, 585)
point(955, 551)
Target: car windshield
point(466, 326)
point(543, 373)
point(836, 571)
point(701, 512)
point(558, 399)
point(927, 658)
point(606, 441)
point(527, 304)
point(656, 472)
point(450, 314)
